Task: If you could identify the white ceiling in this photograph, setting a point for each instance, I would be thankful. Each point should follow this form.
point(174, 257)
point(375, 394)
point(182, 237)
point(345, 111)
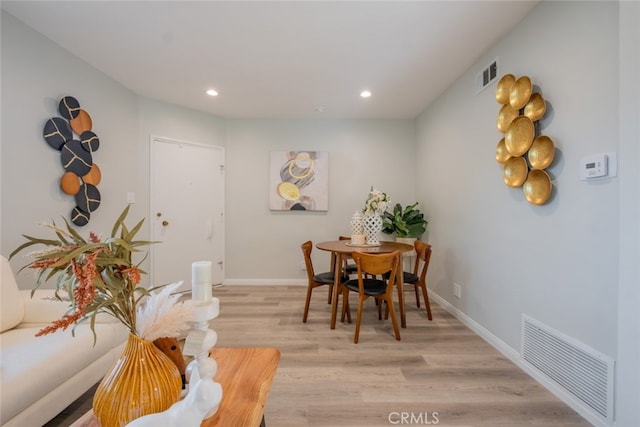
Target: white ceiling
point(271, 59)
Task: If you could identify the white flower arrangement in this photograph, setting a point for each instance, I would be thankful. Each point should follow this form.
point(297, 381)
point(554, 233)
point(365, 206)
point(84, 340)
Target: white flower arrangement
point(377, 202)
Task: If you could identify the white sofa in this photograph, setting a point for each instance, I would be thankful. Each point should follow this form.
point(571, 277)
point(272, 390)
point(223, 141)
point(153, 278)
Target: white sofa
point(40, 376)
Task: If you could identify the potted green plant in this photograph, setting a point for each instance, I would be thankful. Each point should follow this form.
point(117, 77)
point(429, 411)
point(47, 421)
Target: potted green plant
point(405, 223)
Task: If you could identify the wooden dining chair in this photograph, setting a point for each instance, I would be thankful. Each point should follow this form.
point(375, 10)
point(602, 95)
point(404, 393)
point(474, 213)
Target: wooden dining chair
point(316, 280)
point(423, 251)
point(380, 289)
point(349, 267)
point(417, 278)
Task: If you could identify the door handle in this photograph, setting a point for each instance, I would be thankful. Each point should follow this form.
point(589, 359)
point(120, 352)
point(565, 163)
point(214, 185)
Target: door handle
point(209, 229)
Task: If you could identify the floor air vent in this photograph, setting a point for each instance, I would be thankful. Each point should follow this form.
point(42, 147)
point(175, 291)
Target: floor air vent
point(583, 372)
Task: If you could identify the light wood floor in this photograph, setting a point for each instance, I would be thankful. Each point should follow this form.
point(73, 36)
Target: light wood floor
point(440, 373)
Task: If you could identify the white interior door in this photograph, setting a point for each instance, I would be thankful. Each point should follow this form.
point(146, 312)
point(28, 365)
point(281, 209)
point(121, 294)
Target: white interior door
point(187, 210)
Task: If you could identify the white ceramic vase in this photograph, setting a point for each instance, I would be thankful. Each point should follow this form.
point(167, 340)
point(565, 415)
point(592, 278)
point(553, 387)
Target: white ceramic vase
point(372, 228)
point(356, 223)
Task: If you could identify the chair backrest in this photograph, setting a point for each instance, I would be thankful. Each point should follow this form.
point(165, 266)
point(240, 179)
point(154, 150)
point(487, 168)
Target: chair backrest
point(377, 264)
point(423, 251)
point(307, 247)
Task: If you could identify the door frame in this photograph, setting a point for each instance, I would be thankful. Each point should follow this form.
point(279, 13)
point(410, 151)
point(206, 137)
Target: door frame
point(170, 140)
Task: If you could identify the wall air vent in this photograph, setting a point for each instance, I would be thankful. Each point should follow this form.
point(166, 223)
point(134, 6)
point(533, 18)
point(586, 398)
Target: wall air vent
point(578, 369)
point(487, 76)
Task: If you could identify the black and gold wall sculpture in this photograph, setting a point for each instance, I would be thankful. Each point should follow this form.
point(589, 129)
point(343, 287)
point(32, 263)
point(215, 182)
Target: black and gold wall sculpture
point(523, 151)
point(72, 135)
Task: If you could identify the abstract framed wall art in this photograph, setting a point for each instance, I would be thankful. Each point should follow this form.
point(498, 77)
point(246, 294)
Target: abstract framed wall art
point(299, 180)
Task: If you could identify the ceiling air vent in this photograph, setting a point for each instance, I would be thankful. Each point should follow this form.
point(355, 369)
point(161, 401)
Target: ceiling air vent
point(485, 77)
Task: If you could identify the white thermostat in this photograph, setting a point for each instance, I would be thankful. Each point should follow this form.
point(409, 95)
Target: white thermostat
point(597, 166)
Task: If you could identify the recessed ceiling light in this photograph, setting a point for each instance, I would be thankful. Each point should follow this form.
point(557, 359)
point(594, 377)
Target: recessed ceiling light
point(365, 94)
point(212, 92)
point(320, 109)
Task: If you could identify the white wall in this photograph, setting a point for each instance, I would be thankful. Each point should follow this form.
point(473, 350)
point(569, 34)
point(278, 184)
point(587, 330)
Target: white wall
point(560, 263)
point(628, 378)
point(362, 153)
point(162, 119)
point(509, 256)
point(36, 73)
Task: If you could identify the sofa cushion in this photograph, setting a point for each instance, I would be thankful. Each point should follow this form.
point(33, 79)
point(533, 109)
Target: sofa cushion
point(43, 307)
point(11, 303)
point(32, 367)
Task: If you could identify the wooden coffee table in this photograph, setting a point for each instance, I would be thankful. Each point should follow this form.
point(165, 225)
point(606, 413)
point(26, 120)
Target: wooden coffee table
point(246, 375)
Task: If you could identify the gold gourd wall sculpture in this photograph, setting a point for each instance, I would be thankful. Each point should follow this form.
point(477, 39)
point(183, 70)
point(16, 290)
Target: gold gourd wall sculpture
point(523, 154)
point(72, 135)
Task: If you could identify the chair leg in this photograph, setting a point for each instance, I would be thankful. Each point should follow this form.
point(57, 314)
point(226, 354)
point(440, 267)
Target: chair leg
point(425, 294)
point(415, 288)
point(358, 319)
point(394, 320)
point(306, 304)
point(331, 294)
point(345, 305)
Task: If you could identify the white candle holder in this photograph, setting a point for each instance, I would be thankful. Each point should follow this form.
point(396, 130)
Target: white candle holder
point(197, 344)
point(201, 370)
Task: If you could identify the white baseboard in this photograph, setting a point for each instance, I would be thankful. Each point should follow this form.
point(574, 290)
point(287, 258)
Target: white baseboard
point(515, 357)
point(499, 345)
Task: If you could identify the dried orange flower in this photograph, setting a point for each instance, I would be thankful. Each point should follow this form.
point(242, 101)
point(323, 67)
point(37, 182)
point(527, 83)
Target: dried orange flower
point(98, 276)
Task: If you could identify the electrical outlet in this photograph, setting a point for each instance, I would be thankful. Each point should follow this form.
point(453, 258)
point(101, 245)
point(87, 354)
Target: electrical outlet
point(303, 267)
point(457, 291)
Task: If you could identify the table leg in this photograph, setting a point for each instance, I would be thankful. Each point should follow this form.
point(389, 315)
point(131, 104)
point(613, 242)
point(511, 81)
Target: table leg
point(336, 284)
point(400, 280)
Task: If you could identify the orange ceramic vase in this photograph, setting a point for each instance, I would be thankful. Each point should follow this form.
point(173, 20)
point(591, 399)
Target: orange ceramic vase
point(142, 381)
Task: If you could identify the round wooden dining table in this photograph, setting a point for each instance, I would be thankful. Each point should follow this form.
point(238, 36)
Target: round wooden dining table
point(343, 249)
